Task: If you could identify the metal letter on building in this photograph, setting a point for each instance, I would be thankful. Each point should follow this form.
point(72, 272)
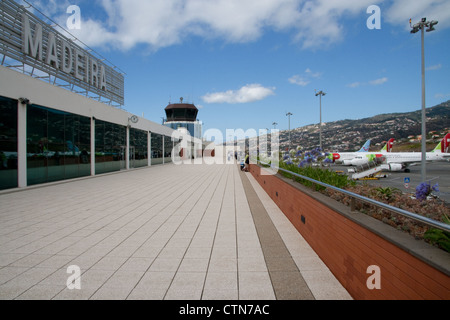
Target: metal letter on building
point(26, 39)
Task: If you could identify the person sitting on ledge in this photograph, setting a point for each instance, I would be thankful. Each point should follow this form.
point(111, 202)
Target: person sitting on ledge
point(247, 163)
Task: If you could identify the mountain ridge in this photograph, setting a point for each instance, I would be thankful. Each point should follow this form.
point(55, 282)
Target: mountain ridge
point(350, 135)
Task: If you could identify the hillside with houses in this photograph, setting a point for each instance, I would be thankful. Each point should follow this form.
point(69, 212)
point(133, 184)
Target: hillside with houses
point(350, 135)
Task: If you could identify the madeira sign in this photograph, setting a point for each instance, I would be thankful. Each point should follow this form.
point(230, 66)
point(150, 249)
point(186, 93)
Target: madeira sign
point(27, 39)
point(70, 60)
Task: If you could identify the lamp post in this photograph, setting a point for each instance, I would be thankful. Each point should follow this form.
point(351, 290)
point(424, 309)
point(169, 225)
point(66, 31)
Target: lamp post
point(289, 117)
point(415, 28)
point(320, 94)
point(274, 125)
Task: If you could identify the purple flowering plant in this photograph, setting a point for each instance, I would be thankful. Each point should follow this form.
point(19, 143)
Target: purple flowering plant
point(424, 189)
point(303, 159)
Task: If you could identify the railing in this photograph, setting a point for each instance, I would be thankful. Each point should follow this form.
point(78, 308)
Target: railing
point(411, 215)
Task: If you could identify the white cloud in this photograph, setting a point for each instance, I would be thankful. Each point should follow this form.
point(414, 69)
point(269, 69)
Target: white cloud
point(375, 82)
point(435, 67)
point(296, 79)
point(320, 22)
point(248, 93)
point(313, 74)
point(441, 95)
point(305, 79)
point(378, 81)
point(162, 23)
point(125, 24)
point(402, 10)
point(354, 85)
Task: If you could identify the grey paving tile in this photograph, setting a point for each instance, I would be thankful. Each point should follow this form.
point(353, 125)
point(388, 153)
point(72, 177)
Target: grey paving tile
point(57, 278)
point(8, 273)
point(56, 261)
point(82, 294)
point(8, 258)
point(221, 281)
point(95, 278)
point(172, 253)
point(255, 286)
point(32, 276)
point(137, 264)
point(223, 265)
point(147, 252)
point(194, 265)
point(249, 264)
point(186, 286)
point(160, 280)
point(147, 293)
point(10, 291)
point(40, 292)
point(201, 244)
point(111, 293)
point(165, 264)
point(30, 260)
point(109, 263)
point(122, 279)
point(220, 294)
point(198, 253)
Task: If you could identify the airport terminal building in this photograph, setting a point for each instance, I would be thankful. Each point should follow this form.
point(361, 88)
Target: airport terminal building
point(58, 118)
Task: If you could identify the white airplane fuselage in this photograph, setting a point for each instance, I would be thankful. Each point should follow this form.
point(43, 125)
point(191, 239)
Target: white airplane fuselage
point(399, 160)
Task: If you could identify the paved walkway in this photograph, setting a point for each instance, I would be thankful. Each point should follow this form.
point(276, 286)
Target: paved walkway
point(165, 232)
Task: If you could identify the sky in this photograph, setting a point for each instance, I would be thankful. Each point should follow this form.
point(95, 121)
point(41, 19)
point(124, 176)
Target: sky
point(247, 63)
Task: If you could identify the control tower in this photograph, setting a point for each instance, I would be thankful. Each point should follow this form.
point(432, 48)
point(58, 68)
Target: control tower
point(183, 115)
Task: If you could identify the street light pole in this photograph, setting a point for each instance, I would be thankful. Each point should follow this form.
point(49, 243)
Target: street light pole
point(289, 117)
point(274, 125)
point(421, 26)
point(320, 94)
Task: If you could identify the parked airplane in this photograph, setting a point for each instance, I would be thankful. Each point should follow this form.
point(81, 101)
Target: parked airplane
point(345, 158)
point(341, 157)
point(398, 161)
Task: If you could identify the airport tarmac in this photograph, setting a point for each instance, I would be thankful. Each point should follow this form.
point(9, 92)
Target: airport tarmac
point(437, 172)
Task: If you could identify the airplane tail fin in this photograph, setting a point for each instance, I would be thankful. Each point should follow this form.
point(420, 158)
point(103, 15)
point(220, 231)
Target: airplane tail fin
point(445, 143)
point(443, 146)
point(438, 148)
point(388, 146)
point(365, 147)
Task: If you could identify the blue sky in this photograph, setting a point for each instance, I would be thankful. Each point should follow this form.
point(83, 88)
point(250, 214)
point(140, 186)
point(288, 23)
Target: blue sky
point(246, 63)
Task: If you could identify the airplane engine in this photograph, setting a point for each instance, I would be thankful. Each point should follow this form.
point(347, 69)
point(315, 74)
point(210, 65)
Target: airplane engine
point(359, 161)
point(395, 167)
point(345, 162)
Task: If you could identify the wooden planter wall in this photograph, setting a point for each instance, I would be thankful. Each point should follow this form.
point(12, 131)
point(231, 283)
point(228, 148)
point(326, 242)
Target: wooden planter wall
point(348, 248)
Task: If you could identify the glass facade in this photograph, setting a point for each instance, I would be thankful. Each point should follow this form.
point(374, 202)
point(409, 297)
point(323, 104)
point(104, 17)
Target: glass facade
point(58, 145)
point(8, 143)
point(168, 146)
point(157, 148)
point(110, 147)
point(138, 148)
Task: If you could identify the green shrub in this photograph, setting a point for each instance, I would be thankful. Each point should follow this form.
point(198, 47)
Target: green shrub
point(317, 173)
point(439, 237)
